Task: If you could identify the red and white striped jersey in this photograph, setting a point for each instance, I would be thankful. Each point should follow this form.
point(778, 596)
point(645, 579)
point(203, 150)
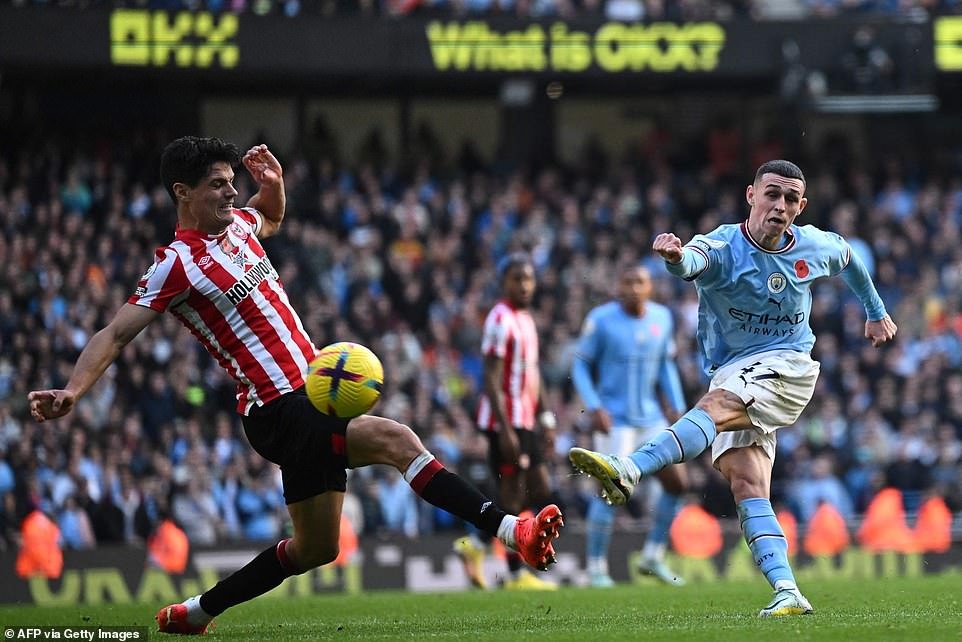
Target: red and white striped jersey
point(224, 289)
point(511, 335)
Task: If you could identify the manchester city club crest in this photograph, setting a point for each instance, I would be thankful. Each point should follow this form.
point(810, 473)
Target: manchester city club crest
point(776, 282)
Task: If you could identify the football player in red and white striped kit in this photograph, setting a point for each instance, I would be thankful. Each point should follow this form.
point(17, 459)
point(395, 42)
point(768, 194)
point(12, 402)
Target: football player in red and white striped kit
point(216, 279)
point(508, 414)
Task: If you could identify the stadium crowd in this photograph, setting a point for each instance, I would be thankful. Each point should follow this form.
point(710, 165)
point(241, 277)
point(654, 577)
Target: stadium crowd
point(399, 255)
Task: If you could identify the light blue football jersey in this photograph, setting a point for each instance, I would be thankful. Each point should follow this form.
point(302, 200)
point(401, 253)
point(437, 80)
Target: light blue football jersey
point(619, 360)
point(753, 300)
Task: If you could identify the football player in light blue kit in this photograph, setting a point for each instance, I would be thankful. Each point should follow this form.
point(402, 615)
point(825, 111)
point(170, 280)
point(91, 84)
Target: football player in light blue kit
point(754, 300)
point(625, 349)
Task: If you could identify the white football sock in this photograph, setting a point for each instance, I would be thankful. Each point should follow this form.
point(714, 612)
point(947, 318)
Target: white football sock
point(195, 614)
point(417, 465)
point(506, 531)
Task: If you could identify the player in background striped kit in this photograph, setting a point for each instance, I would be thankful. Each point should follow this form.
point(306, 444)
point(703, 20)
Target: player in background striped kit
point(512, 415)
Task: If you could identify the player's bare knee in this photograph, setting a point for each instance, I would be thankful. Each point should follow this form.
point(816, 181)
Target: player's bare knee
point(400, 445)
point(317, 554)
point(716, 401)
point(726, 409)
point(377, 440)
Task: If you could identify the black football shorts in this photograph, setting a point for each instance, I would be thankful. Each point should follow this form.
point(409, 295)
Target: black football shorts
point(310, 447)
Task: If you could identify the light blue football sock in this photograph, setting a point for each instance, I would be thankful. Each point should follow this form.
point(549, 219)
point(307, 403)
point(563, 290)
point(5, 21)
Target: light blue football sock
point(600, 518)
point(683, 441)
point(665, 511)
point(766, 540)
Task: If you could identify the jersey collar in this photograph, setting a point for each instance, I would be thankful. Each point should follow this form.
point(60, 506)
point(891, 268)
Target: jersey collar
point(190, 233)
point(789, 245)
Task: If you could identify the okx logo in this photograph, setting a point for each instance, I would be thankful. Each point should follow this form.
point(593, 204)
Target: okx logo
point(185, 39)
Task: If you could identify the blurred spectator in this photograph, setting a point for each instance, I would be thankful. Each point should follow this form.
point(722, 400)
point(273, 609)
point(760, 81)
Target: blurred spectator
point(225, 446)
point(260, 507)
point(168, 547)
point(194, 507)
point(398, 503)
point(820, 485)
point(75, 527)
point(106, 518)
point(40, 547)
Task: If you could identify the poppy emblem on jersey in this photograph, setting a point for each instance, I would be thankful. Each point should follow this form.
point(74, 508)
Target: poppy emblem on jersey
point(801, 268)
point(644, 333)
point(776, 282)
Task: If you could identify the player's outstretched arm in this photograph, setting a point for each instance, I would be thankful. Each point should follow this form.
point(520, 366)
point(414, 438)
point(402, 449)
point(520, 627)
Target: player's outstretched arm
point(879, 328)
point(270, 199)
point(686, 263)
point(102, 349)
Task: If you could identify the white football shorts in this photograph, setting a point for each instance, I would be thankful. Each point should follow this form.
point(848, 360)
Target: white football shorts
point(624, 440)
point(776, 387)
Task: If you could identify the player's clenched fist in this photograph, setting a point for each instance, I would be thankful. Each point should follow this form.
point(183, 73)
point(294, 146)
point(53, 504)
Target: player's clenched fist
point(669, 247)
point(878, 332)
point(50, 404)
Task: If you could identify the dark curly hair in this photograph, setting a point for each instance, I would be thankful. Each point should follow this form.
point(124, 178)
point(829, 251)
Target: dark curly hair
point(188, 159)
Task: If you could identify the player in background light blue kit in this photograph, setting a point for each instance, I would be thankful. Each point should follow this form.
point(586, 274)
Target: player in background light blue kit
point(625, 349)
point(754, 302)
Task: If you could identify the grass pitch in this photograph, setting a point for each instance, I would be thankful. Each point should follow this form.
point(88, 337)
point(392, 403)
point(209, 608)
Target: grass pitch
point(925, 608)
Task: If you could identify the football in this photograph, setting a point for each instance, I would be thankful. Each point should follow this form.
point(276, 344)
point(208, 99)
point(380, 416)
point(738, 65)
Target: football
point(344, 380)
